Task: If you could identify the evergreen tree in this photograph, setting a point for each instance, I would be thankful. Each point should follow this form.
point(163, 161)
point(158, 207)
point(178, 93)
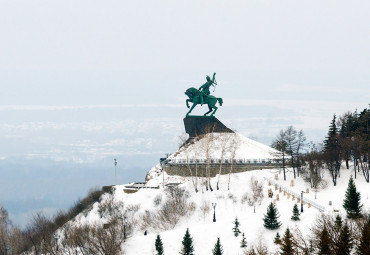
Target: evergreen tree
point(338, 222)
point(187, 244)
point(159, 245)
point(236, 227)
point(364, 246)
point(324, 243)
point(296, 213)
point(287, 243)
point(331, 140)
point(333, 151)
point(352, 200)
point(217, 250)
point(243, 243)
point(345, 242)
point(271, 218)
point(277, 239)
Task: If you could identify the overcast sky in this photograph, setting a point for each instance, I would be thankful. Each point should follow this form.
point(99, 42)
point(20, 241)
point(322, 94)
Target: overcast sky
point(86, 81)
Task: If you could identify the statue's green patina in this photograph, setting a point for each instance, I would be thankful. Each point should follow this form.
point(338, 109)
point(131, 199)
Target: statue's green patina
point(202, 96)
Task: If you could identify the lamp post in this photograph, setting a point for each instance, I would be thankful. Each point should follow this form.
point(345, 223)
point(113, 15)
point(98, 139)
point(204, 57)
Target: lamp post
point(214, 212)
point(124, 227)
point(115, 171)
point(302, 201)
point(162, 166)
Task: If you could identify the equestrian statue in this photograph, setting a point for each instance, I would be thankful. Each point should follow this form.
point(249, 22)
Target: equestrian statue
point(203, 96)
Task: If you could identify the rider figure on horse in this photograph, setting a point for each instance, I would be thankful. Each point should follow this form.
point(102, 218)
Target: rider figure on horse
point(204, 89)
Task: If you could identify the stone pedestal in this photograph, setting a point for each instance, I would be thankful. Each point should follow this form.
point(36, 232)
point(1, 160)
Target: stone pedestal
point(201, 125)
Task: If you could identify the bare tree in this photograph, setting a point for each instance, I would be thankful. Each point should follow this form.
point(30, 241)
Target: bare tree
point(224, 141)
point(291, 140)
point(301, 243)
point(301, 143)
point(280, 143)
point(313, 165)
point(234, 146)
point(205, 208)
point(207, 143)
point(184, 147)
point(256, 196)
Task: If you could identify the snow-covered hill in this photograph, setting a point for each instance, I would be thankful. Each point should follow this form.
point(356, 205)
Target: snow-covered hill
point(229, 204)
point(222, 146)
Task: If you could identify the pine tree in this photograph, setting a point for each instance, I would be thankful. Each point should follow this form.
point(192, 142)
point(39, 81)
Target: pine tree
point(296, 213)
point(345, 242)
point(324, 243)
point(271, 218)
point(333, 151)
point(159, 245)
point(352, 200)
point(364, 246)
point(217, 250)
point(287, 243)
point(243, 243)
point(338, 222)
point(236, 227)
point(277, 239)
point(187, 244)
point(332, 138)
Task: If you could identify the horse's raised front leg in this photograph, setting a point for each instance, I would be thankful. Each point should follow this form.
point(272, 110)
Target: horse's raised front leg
point(187, 103)
point(192, 107)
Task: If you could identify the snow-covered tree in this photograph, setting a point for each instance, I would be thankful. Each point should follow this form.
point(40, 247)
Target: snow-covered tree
point(187, 244)
point(296, 213)
point(236, 227)
point(352, 200)
point(256, 195)
point(218, 250)
point(364, 246)
point(159, 245)
point(243, 242)
point(324, 243)
point(277, 239)
point(345, 241)
point(271, 217)
point(287, 243)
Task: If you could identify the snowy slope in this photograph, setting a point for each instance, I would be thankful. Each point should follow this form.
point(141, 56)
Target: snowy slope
point(229, 205)
point(245, 150)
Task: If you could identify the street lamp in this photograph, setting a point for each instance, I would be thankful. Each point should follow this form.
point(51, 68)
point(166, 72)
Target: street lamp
point(124, 227)
point(302, 201)
point(115, 171)
point(214, 212)
point(162, 166)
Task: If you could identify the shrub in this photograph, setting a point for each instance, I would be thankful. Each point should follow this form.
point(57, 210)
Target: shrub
point(157, 200)
point(170, 212)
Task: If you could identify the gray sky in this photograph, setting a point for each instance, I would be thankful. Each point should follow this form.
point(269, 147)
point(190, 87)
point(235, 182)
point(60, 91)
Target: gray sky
point(82, 82)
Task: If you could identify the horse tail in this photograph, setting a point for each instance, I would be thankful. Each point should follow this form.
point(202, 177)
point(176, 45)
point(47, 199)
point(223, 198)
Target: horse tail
point(220, 101)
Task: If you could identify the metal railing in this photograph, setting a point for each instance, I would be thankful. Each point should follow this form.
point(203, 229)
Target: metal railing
point(306, 200)
point(217, 161)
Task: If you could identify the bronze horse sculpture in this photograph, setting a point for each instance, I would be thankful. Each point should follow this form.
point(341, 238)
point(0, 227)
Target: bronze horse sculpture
point(194, 97)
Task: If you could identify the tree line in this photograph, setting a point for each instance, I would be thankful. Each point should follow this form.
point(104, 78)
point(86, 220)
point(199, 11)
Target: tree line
point(348, 139)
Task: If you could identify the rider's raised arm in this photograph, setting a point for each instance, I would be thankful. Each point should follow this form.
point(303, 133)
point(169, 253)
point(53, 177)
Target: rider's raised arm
point(213, 78)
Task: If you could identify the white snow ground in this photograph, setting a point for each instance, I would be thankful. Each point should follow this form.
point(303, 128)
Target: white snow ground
point(229, 206)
